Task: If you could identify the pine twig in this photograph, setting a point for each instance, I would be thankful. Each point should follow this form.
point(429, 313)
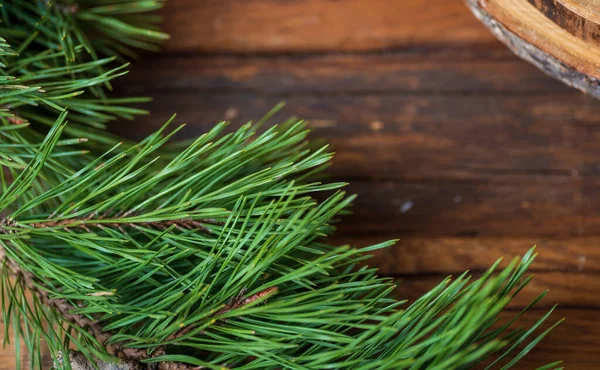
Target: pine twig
point(85, 223)
point(237, 302)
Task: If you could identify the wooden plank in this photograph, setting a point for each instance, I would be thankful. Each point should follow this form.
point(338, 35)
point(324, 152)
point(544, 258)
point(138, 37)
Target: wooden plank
point(541, 206)
point(317, 25)
point(447, 255)
point(382, 137)
point(487, 165)
point(567, 289)
point(460, 70)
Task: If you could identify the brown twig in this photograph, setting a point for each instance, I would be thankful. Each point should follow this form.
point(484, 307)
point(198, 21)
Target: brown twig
point(239, 301)
point(94, 221)
point(236, 302)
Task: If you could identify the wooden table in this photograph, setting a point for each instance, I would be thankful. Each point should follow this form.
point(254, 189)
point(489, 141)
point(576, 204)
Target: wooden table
point(452, 143)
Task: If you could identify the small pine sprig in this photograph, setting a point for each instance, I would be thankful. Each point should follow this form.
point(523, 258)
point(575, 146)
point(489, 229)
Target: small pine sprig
point(49, 62)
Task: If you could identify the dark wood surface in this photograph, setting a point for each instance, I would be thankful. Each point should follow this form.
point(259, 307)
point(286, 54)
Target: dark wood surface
point(453, 144)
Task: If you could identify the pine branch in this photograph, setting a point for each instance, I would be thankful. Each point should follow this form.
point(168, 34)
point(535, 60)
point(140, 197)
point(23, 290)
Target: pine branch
point(172, 295)
point(49, 62)
point(65, 309)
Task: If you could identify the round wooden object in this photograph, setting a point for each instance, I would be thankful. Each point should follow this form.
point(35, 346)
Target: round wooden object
point(561, 37)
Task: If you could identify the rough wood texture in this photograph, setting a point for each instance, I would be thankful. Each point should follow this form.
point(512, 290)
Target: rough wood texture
point(444, 70)
point(454, 145)
point(268, 26)
point(412, 256)
point(579, 17)
point(569, 57)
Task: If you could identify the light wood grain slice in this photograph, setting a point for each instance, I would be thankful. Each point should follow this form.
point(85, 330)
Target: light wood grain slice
point(553, 35)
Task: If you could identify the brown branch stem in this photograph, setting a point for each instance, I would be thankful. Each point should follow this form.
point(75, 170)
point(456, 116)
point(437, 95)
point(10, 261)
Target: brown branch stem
point(93, 221)
point(235, 303)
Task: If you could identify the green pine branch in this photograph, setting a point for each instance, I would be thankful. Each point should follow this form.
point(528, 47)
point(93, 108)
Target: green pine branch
point(216, 259)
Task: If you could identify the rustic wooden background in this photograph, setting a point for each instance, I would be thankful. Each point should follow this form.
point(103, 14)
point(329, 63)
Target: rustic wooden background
point(452, 143)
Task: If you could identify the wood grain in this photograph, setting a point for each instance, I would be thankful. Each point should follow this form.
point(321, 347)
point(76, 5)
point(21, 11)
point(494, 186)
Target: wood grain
point(303, 26)
point(538, 208)
point(450, 136)
point(588, 9)
point(522, 18)
point(418, 255)
point(526, 31)
point(493, 70)
point(581, 18)
point(491, 162)
point(572, 290)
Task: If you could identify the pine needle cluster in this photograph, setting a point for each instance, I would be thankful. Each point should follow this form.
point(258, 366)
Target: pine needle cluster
point(209, 254)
